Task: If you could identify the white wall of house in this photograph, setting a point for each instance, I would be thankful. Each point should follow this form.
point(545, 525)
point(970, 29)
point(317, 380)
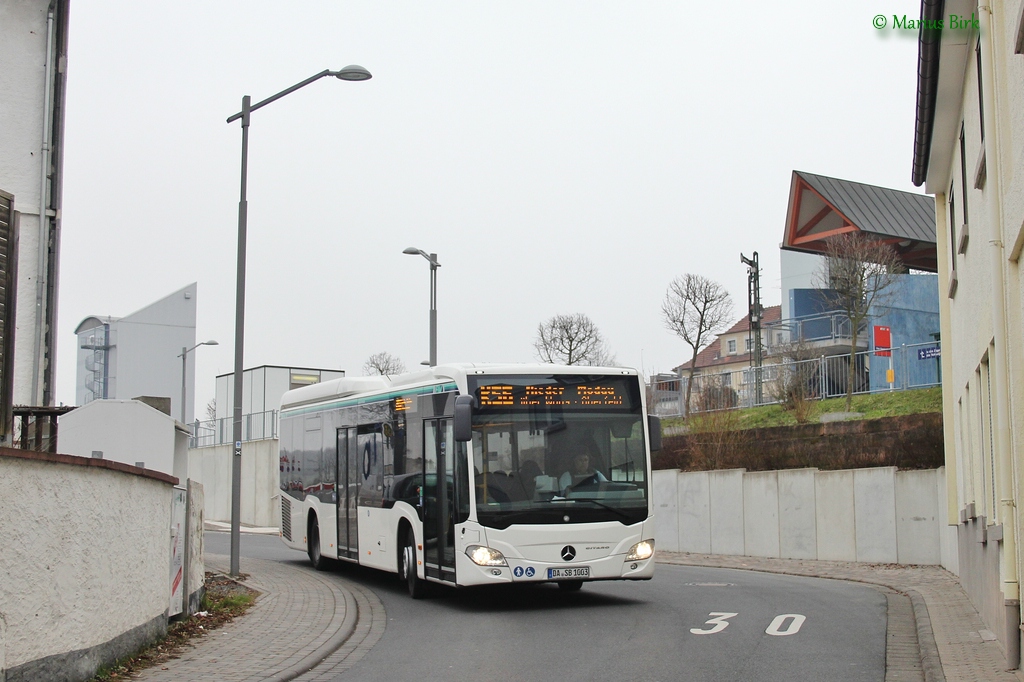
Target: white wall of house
point(975, 169)
point(125, 431)
point(26, 113)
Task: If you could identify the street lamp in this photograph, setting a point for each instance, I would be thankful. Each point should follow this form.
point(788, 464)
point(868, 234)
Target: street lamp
point(434, 265)
point(349, 73)
point(183, 356)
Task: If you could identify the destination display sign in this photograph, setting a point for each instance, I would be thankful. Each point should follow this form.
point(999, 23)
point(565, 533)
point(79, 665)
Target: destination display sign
point(557, 393)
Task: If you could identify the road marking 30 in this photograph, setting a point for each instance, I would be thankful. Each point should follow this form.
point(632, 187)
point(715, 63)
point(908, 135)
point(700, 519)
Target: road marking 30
point(720, 622)
point(796, 620)
point(782, 625)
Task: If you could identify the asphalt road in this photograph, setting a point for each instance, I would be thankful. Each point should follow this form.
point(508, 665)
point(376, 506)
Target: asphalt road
point(687, 623)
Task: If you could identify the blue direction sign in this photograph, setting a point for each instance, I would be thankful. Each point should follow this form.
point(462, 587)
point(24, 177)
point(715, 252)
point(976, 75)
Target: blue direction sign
point(930, 352)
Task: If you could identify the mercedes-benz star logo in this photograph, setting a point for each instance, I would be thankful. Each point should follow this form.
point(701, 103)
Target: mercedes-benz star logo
point(568, 553)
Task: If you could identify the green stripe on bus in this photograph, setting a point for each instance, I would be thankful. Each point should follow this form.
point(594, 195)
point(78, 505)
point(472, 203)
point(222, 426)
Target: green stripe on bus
point(379, 398)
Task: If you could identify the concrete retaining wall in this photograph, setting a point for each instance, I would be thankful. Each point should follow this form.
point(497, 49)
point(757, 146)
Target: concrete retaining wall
point(261, 476)
point(85, 556)
point(877, 515)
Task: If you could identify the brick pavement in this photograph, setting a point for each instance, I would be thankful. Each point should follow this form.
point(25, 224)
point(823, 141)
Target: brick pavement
point(301, 618)
point(953, 640)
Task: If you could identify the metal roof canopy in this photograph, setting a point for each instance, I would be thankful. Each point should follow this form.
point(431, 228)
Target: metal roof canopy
point(820, 207)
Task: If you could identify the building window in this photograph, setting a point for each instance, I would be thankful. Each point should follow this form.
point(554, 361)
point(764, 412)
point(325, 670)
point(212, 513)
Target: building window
point(748, 345)
point(981, 103)
point(732, 346)
point(963, 175)
point(952, 241)
point(8, 296)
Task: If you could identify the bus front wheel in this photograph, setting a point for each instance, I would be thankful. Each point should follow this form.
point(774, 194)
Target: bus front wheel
point(408, 566)
point(313, 546)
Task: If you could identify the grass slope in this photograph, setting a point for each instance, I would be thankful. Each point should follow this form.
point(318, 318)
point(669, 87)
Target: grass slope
point(871, 406)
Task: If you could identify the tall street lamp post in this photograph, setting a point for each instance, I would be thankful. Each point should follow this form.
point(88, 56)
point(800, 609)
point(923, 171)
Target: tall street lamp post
point(184, 357)
point(434, 265)
point(349, 73)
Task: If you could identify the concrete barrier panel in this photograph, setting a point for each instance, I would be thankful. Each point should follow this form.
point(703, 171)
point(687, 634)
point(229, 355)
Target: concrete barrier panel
point(694, 512)
point(917, 515)
point(268, 483)
point(211, 466)
point(664, 497)
point(761, 513)
point(874, 500)
point(797, 527)
point(726, 493)
point(834, 518)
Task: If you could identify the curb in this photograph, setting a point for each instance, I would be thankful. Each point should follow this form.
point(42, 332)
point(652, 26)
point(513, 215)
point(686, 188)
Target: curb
point(314, 659)
point(931, 664)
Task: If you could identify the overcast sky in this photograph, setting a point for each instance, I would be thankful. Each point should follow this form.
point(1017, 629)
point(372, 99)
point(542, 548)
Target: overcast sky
point(559, 157)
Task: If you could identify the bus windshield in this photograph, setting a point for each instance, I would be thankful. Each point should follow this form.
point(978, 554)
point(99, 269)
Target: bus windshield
point(559, 449)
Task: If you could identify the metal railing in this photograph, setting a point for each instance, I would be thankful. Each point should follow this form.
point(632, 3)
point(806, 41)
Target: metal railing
point(255, 426)
point(908, 366)
point(827, 328)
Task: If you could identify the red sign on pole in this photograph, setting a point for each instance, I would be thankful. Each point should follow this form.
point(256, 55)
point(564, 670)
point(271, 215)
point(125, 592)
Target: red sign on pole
point(883, 341)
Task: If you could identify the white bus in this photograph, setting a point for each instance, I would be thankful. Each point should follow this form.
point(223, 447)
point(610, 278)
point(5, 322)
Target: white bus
point(473, 474)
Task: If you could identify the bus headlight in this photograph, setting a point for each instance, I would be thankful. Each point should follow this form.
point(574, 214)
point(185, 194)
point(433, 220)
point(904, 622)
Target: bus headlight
point(485, 556)
point(640, 551)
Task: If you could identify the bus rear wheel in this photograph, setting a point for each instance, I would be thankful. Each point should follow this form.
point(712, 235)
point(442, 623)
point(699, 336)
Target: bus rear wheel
point(407, 567)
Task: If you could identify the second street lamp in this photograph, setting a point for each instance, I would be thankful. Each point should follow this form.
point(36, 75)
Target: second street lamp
point(434, 265)
point(349, 73)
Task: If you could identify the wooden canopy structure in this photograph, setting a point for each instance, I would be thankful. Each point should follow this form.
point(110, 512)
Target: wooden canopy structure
point(820, 207)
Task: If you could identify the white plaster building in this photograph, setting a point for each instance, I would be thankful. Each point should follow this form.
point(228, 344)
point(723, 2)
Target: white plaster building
point(140, 354)
point(969, 153)
point(33, 52)
point(264, 386)
point(127, 431)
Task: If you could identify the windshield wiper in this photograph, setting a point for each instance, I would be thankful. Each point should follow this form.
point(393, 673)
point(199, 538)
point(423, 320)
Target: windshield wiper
point(621, 513)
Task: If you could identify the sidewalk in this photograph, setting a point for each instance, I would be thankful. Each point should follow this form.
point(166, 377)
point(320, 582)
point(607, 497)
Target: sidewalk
point(954, 642)
point(304, 619)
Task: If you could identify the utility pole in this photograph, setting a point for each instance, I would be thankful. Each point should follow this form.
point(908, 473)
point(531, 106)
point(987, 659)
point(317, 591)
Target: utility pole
point(754, 315)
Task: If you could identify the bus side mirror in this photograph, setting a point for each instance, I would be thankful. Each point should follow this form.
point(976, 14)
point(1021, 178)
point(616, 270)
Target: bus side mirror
point(463, 418)
point(653, 427)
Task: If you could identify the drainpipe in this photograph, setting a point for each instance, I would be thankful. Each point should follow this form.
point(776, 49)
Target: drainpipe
point(44, 232)
point(1007, 504)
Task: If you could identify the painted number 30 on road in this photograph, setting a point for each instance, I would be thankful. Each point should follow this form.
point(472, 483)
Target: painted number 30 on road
point(783, 625)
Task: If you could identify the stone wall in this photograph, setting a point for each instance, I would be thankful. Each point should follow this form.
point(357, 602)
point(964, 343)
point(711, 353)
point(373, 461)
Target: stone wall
point(906, 442)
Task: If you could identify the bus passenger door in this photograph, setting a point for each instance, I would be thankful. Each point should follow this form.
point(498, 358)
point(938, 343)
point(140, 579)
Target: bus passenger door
point(348, 497)
point(438, 502)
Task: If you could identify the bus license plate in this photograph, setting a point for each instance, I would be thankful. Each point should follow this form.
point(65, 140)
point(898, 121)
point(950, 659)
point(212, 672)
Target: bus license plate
point(575, 572)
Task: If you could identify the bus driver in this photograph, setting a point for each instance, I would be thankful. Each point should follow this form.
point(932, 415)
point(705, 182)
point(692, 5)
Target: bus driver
point(580, 470)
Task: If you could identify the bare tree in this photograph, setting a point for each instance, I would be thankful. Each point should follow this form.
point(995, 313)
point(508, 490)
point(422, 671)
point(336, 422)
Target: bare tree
point(571, 340)
point(384, 364)
point(211, 409)
point(794, 378)
point(860, 274)
point(695, 308)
